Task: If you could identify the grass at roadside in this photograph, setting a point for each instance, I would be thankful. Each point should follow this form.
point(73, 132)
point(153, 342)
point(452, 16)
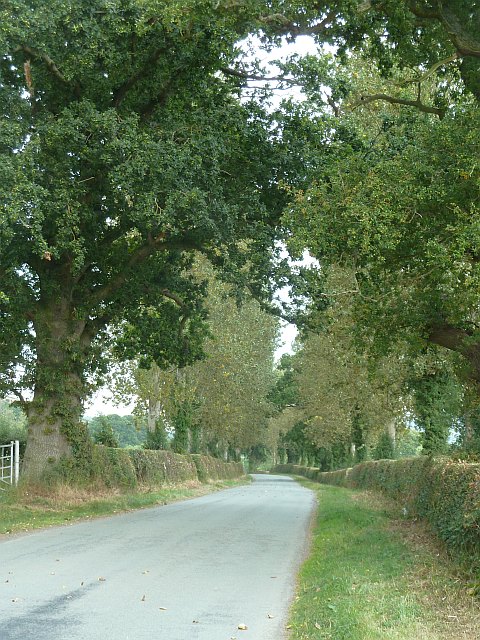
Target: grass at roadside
point(23, 510)
point(371, 576)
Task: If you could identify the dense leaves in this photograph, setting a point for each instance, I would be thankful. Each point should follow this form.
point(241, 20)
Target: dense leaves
point(124, 149)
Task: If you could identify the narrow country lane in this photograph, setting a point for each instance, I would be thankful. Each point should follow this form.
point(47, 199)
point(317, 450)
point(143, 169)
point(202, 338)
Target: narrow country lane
point(193, 570)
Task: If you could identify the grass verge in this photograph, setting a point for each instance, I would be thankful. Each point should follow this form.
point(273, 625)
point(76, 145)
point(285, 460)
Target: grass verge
point(34, 508)
point(371, 575)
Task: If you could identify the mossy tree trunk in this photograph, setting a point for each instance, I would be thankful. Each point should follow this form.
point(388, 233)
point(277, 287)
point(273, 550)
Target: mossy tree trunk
point(54, 413)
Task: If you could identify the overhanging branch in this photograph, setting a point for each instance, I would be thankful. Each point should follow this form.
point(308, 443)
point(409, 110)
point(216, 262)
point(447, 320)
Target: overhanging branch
point(417, 104)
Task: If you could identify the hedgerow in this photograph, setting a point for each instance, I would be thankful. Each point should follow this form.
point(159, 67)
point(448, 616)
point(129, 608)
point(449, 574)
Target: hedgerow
point(444, 492)
point(129, 468)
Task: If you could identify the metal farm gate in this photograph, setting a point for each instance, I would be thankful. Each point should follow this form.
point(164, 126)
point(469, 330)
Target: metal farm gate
point(9, 463)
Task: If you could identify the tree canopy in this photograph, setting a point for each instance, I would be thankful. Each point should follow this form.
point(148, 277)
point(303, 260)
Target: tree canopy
point(126, 147)
point(123, 150)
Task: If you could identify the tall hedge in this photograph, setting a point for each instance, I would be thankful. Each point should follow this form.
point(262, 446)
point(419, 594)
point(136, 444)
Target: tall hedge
point(131, 467)
point(444, 492)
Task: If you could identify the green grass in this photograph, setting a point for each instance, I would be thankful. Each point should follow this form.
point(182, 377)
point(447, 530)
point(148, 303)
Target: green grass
point(370, 577)
point(26, 509)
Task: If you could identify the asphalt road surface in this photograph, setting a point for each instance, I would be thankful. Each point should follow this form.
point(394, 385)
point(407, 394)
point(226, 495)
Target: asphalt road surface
point(193, 570)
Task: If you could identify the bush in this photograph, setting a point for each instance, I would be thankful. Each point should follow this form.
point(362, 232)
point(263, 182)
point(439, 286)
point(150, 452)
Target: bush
point(113, 467)
point(385, 448)
point(156, 439)
point(12, 425)
point(105, 434)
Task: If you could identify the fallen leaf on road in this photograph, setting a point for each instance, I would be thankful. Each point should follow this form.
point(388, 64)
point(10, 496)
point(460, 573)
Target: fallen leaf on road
point(242, 627)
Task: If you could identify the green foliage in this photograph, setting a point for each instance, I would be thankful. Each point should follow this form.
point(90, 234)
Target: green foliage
point(156, 439)
point(131, 468)
point(408, 443)
point(12, 425)
point(394, 591)
point(209, 468)
point(125, 149)
point(222, 400)
point(445, 493)
point(385, 448)
point(182, 422)
point(155, 468)
point(125, 429)
point(113, 467)
point(105, 434)
point(438, 407)
point(285, 391)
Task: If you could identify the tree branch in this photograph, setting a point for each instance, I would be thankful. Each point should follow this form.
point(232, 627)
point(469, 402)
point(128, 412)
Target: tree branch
point(137, 257)
point(153, 245)
point(51, 66)
point(432, 69)
point(365, 99)
point(284, 26)
point(159, 100)
point(120, 93)
point(21, 398)
point(172, 296)
point(465, 43)
point(422, 12)
point(244, 75)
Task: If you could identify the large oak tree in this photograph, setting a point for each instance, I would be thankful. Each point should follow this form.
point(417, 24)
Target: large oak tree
point(124, 148)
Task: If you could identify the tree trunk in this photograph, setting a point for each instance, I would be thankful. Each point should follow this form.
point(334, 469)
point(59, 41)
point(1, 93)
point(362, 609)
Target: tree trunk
point(55, 411)
point(154, 413)
point(461, 341)
point(391, 432)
